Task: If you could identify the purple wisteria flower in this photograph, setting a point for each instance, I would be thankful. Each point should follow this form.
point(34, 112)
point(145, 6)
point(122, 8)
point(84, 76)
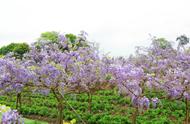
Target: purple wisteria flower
point(155, 102)
point(11, 117)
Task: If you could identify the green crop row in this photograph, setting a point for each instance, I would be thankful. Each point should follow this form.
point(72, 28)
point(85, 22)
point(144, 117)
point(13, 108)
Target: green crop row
point(107, 107)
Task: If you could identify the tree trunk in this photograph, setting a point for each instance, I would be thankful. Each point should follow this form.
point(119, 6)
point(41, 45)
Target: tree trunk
point(18, 101)
point(187, 111)
point(60, 106)
point(89, 102)
point(134, 118)
point(60, 115)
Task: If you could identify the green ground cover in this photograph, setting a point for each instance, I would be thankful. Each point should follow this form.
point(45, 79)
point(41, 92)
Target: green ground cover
point(107, 108)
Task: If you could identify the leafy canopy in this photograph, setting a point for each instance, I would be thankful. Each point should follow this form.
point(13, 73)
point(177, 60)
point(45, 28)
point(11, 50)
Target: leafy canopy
point(17, 48)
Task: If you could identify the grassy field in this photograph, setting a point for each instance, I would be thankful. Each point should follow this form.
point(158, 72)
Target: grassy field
point(107, 108)
point(29, 121)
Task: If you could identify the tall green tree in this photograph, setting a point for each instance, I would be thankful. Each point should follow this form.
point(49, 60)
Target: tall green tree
point(18, 49)
point(183, 40)
point(71, 37)
point(162, 43)
point(49, 36)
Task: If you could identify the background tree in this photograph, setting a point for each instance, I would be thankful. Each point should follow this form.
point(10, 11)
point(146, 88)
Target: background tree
point(161, 42)
point(18, 49)
point(183, 40)
point(71, 37)
point(51, 36)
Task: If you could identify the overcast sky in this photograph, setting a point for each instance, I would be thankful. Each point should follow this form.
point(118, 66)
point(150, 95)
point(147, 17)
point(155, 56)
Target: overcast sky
point(117, 25)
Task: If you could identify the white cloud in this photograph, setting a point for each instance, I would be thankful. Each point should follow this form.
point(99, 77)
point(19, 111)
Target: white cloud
point(117, 25)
